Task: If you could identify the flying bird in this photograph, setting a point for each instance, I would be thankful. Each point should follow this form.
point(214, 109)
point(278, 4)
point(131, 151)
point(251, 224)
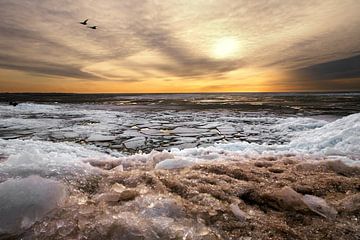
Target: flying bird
point(84, 22)
point(93, 27)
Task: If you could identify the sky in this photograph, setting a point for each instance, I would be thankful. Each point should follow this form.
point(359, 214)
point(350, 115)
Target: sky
point(179, 46)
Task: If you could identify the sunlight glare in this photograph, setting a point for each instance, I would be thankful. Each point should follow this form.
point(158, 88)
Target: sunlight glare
point(226, 47)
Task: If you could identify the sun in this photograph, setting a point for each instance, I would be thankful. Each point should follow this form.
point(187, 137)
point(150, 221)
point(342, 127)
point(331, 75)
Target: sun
point(226, 47)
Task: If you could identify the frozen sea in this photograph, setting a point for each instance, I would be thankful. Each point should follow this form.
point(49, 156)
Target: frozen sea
point(56, 133)
point(50, 142)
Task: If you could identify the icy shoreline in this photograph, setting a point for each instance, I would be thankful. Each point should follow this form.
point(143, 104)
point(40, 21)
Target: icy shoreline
point(267, 198)
point(337, 140)
point(218, 182)
point(134, 131)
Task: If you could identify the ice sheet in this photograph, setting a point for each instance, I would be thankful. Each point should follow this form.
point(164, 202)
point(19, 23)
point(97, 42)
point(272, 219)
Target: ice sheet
point(307, 138)
point(163, 130)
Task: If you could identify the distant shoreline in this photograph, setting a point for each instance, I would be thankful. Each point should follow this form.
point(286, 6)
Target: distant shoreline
point(180, 93)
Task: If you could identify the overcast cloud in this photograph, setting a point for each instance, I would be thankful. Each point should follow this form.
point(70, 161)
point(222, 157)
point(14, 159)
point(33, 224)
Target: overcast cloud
point(141, 40)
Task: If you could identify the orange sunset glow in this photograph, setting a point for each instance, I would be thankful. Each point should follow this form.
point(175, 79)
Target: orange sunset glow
point(179, 46)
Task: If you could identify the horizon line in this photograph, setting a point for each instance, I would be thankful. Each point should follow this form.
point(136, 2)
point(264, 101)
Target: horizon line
point(136, 93)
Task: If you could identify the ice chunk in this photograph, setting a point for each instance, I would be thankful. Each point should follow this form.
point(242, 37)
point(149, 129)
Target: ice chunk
point(350, 204)
point(181, 140)
point(211, 139)
point(319, 206)
point(336, 138)
point(71, 135)
point(157, 217)
point(100, 138)
point(210, 125)
point(227, 129)
point(174, 164)
point(186, 145)
point(153, 132)
point(286, 198)
point(293, 126)
point(342, 169)
point(117, 187)
point(241, 215)
point(25, 201)
point(161, 207)
point(46, 158)
point(111, 197)
point(119, 168)
point(185, 131)
point(134, 143)
point(107, 197)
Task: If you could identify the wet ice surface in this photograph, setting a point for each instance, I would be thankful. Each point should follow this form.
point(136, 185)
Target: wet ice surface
point(25, 201)
point(221, 201)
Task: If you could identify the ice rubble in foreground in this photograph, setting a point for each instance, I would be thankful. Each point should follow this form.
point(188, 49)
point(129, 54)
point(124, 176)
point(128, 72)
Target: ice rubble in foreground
point(339, 139)
point(256, 199)
point(24, 201)
point(26, 157)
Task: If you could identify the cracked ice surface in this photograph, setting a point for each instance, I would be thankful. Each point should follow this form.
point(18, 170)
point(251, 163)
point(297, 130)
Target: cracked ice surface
point(115, 129)
point(84, 135)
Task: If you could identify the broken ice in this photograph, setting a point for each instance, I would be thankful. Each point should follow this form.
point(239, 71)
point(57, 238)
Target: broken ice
point(25, 201)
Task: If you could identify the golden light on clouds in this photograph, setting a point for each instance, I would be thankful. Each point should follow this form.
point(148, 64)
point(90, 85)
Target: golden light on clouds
point(179, 46)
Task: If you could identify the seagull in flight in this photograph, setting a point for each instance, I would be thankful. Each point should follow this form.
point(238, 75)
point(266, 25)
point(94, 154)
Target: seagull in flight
point(93, 27)
point(84, 22)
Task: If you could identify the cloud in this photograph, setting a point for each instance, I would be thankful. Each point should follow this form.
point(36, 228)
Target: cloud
point(142, 40)
point(341, 74)
point(44, 68)
point(338, 69)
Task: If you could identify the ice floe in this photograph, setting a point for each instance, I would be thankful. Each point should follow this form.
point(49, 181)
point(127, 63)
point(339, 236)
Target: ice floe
point(108, 128)
point(307, 138)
